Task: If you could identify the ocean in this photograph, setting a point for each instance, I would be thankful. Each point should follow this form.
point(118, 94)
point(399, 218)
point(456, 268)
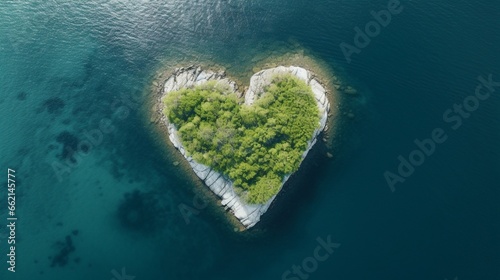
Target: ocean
point(412, 190)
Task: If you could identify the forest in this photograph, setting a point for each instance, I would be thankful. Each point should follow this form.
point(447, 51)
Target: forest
point(253, 146)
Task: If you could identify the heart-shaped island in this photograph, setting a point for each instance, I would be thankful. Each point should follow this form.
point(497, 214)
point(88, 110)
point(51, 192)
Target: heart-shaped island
point(244, 146)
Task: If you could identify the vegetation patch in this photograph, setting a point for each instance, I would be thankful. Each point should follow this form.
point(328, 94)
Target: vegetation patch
point(253, 146)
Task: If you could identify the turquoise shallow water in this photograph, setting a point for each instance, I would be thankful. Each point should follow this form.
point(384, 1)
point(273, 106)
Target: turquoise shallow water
point(67, 67)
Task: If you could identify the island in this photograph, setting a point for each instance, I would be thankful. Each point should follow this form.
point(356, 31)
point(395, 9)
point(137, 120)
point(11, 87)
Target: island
point(244, 146)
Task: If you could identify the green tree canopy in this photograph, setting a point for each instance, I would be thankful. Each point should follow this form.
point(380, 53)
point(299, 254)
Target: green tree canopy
point(253, 146)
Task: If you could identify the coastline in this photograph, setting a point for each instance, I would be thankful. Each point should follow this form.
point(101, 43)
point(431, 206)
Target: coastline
point(247, 214)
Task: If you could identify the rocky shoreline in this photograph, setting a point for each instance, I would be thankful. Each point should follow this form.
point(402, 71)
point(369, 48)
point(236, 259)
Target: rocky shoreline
point(247, 214)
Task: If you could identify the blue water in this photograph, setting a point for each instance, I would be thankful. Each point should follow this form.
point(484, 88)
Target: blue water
point(64, 67)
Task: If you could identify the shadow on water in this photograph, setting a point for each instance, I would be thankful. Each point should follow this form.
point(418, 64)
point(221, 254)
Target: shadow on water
point(142, 211)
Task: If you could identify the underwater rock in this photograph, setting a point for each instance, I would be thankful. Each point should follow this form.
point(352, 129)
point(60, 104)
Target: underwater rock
point(70, 144)
point(65, 248)
point(53, 105)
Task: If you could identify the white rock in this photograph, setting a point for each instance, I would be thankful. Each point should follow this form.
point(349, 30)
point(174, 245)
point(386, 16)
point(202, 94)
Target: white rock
point(318, 90)
point(174, 140)
point(219, 186)
point(169, 84)
point(212, 178)
point(301, 73)
point(202, 173)
point(323, 120)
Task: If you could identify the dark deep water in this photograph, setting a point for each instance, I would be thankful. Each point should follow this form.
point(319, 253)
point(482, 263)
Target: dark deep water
point(64, 65)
